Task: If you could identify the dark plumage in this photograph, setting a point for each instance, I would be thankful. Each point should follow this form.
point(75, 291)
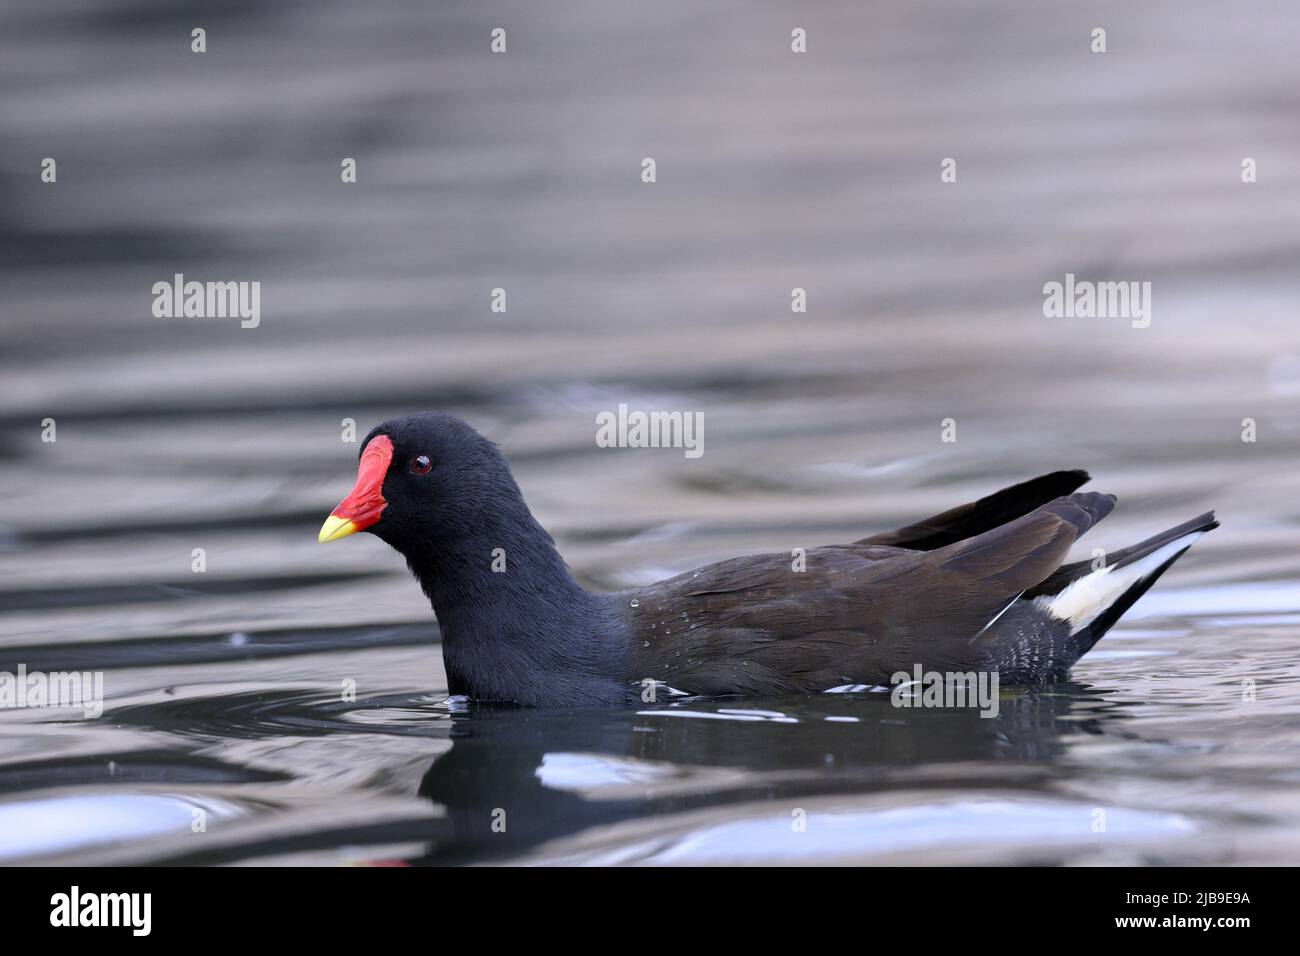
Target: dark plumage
point(979, 587)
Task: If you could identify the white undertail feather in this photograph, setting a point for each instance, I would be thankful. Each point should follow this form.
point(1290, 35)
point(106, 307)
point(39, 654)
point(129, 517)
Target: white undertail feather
point(1084, 599)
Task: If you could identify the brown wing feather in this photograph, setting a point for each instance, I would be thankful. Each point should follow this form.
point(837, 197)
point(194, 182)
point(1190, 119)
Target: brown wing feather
point(855, 615)
point(976, 517)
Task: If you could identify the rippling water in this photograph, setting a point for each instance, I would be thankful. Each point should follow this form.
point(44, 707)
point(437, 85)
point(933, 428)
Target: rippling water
point(230, 691)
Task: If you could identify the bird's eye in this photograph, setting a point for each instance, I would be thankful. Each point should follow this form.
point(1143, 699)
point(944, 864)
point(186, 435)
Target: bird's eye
point(421, 465)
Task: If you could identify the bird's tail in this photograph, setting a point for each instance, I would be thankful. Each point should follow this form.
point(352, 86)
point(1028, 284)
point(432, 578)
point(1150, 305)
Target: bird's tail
point(1093, 599)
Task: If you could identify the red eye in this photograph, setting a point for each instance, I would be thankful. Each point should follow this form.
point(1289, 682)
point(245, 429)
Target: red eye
point(421, 465)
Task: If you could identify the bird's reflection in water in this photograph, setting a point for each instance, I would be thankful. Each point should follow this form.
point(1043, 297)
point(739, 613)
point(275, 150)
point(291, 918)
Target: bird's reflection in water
point(515, 779)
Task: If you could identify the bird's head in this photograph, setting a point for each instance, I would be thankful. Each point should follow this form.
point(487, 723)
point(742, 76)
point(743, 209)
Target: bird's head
point(423, 480)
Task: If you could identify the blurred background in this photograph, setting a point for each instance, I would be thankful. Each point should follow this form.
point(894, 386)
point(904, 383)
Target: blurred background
point(522, 171)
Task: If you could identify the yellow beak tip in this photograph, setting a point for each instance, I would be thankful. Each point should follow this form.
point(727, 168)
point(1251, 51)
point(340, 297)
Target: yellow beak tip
point(335, 528)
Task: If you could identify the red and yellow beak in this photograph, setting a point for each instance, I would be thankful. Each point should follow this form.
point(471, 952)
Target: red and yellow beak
point(363, 506)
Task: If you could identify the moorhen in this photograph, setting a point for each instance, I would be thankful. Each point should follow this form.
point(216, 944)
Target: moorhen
point(978, 588)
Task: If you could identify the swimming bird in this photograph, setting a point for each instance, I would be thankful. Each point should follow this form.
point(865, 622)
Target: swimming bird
point(980, 587)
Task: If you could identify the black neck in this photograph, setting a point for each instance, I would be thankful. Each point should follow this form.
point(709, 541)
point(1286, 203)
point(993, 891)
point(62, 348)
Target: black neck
point(528, 633)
